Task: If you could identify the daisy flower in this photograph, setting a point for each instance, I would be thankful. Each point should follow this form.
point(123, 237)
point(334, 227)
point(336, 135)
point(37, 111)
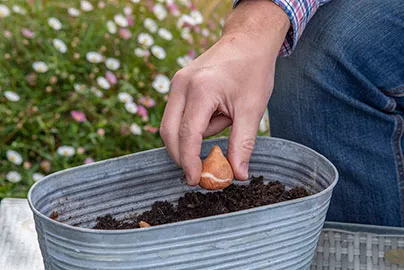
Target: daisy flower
point(40, 67)
point(37, 176)
point(158, 52)
point(160, 12)
point(74, 12)
point(111, 27)
point(103, 83)
point(94, 57)
point(59, 45)
point(112, 63)
point(12, 96)
point(135, 129)
point(161, 84)
point(121, 20)
point(131, 107)
point(165, 34)
point(13, 177)
point(141, 52)
point(4, 11)
point(150, 25)
point(145, 39)
point(86, 6)
point(54, 23)
point(14, 157)
point(66, 151)
point(125, 97)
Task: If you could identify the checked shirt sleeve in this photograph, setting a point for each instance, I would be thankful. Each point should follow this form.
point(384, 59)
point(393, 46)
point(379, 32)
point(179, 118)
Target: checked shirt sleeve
point(300, 13)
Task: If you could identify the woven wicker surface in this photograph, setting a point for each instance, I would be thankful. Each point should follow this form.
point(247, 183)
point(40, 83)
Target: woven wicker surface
point(340, 247)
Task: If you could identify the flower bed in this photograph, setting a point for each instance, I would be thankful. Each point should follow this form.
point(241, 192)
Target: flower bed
point(82, 81)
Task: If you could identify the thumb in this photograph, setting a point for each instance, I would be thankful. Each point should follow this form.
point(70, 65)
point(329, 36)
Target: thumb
point(241, 143)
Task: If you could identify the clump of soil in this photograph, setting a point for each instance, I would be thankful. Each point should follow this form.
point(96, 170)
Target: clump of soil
point(195, 205)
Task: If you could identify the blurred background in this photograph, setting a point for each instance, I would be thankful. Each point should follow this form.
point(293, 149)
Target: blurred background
point(83, 81)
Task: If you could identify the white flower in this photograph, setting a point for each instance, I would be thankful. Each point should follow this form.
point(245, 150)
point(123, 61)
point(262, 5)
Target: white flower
point(59, 45)
point(186, 34)
point(135, 1)
point(112, 63)
point(161, 83)
point(125, 97)
point(121, 20)
point(14, 157)
point(165, 34)
point(127, 10)
point(74, 12)
point(158, 52)
point(19, 10)
point(150, 25)
point(103, 83)
point(94, 57)
point(131, 107)
point(135, 129)
point(145, 39)
point(160, 12)
point(66, 151)
point(185, 19)
point(185, 2)
point(13, 177)
point(54, 23)
point(111, 27)
point(205, 32)
point(80, 88)
point(37, 176)
point(197, 16)
point(184, 61)
point(4, 11)
point(40, 67)
point(141, 53)
point(86, 6)
point(96, 92)
point(12, 96)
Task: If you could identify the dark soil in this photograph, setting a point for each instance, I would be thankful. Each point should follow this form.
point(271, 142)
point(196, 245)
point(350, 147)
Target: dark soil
point(195, 205)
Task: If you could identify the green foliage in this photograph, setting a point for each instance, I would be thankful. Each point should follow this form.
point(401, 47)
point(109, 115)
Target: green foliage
point(60, 102)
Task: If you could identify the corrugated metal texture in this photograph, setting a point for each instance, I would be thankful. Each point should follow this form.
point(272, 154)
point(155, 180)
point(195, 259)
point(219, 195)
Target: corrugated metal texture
point(280, 236)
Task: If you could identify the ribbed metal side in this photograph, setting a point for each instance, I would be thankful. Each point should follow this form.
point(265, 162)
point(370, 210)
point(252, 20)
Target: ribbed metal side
point(280, 236)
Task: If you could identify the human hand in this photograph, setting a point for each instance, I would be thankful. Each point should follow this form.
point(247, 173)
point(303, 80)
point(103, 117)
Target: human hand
point(230, 84)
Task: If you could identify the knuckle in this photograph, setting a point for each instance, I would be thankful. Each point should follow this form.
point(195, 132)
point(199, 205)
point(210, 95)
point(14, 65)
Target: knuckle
point(179, 77)
point(185, 131)
point(246, 146)
point(165, 132)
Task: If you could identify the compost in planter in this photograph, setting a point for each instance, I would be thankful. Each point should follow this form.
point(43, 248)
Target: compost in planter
point(195, 205)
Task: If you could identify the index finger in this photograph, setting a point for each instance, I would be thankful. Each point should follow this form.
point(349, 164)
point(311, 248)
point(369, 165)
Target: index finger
point(197, 114)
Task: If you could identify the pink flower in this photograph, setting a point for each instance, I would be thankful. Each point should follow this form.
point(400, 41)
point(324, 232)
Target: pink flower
point(80, 150)
point(192, 54)
point(7, 34)
point(131, 22)
point(111, 77)
point(142, 111)
point(150, 5)
point(88, 160)
point(150, 129)
point(78, 116)
point(101, 131)
point(173, 8)
point(125, 33)
point(148, 102)
point(27, 33)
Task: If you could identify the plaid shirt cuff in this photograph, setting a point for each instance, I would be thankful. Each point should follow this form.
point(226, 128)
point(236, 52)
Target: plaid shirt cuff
point(300, 13)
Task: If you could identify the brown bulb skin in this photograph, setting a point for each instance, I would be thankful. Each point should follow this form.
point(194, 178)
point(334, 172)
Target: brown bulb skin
point(217, 172)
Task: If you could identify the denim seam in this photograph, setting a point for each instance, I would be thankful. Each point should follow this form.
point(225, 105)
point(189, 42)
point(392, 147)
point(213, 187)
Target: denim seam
point(398, 133)
point(398, 91)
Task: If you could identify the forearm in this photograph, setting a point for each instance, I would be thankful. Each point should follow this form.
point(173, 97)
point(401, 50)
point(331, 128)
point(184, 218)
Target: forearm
point(261, 21)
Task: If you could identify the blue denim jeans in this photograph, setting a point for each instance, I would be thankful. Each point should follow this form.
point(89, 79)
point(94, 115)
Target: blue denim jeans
point(342, 93)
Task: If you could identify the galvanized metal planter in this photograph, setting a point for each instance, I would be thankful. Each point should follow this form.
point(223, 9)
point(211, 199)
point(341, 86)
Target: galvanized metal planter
point(279, 236)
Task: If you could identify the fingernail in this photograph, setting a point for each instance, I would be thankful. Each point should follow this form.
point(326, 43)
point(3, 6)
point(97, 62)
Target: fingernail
point(189, 179)
point(244, 169)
